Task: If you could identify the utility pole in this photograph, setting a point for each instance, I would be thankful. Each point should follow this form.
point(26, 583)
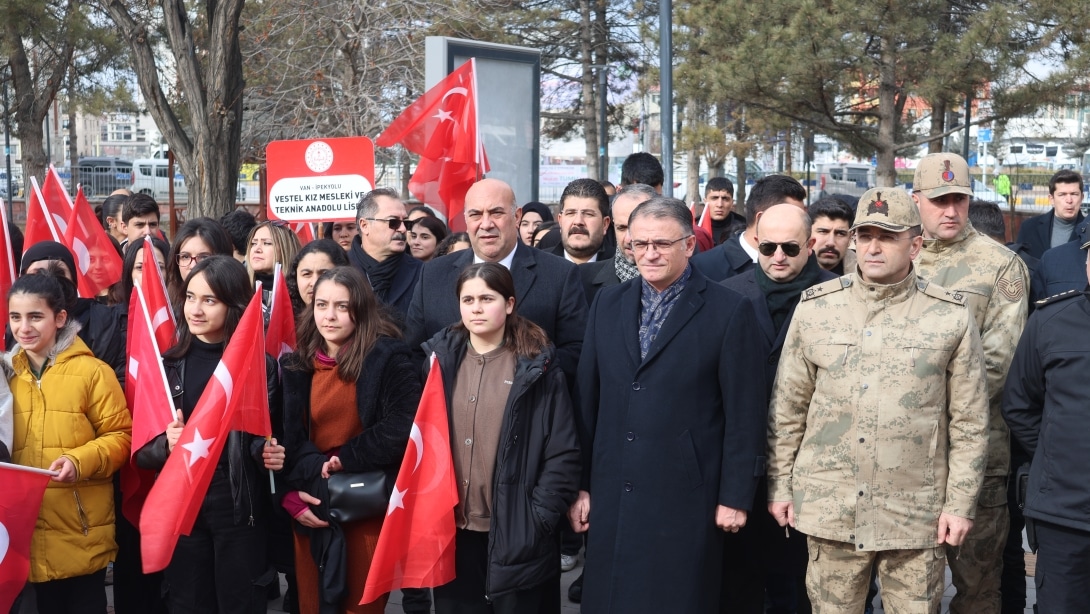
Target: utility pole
point(666, 95)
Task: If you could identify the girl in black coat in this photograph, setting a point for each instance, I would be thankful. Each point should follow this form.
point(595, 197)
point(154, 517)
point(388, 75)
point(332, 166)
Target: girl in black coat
point(515, 452)
point(350, 395)
point(220, 567)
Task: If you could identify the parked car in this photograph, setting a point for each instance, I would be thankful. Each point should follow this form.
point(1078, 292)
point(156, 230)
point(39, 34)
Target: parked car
point(150, 176)
point(847, 179)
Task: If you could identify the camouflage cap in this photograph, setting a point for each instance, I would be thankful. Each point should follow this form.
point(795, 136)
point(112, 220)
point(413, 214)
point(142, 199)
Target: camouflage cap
point(888, 208)
point(942, 173)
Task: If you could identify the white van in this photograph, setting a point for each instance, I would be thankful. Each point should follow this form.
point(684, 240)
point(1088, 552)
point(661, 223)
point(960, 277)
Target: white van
point(149, 176)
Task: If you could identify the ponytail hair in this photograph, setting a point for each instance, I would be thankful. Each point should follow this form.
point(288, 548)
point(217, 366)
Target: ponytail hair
point(526, 339)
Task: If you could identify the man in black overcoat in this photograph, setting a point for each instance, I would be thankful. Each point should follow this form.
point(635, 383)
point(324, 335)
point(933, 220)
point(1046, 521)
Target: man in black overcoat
point(672, 418)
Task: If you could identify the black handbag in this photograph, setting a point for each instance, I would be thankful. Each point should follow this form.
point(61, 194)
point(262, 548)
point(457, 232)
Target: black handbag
point(358, 495)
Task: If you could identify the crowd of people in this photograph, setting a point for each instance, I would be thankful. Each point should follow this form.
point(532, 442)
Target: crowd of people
point(790, 411)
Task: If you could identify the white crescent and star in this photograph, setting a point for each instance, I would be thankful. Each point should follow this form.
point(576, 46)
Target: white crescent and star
point(418, 438)
point(198, 448)
point(397, 498)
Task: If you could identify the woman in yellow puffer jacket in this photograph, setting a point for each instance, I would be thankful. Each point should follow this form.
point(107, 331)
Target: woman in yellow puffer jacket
point(70, 417)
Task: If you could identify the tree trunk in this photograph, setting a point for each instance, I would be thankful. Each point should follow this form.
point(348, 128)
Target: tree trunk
point(740, 187)
point(590, 120)
point(601, 52)
point(887, 117)
point(788, 159)
point(693, 117)
point(31, 104)
point(938, 126)
point(73, 133)
point(209, 154)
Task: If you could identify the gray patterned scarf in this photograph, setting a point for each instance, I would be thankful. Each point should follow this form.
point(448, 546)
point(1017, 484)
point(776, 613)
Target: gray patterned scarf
point(656, 308)
point(625, 269)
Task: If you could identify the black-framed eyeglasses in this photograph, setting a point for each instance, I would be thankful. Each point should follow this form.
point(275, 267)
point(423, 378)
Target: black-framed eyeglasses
point(184, 259)
point(393, 222)
point(660, 245)
point(767, 248)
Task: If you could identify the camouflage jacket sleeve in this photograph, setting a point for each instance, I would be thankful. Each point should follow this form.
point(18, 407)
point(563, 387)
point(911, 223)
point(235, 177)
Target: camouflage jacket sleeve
point(967, 412)
point(791, 394)
point(1003, 323)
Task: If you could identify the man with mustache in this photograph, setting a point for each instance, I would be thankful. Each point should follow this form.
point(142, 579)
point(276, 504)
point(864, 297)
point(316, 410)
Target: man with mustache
point(832, 219)
point(379, 250)
point(584, 220)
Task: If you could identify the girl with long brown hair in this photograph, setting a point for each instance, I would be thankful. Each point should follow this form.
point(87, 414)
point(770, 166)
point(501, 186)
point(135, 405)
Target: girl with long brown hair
point(514, 448)
point(350, 395)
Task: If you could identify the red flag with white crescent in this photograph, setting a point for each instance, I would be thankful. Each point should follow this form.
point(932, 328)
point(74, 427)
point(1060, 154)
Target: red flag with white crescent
point(155, 293)
point(280, 336)
point(235, 399)
point(98, 265)
point(305, 232)
point(148, 397)
point(7, 264)
point(23, 489)
point(42, 223)
point(442, 128)
point(415, 547)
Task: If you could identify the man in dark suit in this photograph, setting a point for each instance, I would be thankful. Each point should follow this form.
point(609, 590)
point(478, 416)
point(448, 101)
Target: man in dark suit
point(547, 288)
point(671, 426)
point(379, 250)
point(759, 557)
point(622, 266)
point(739, 254)
point(1062, 268)
point(584, 223)
point(1043, 232)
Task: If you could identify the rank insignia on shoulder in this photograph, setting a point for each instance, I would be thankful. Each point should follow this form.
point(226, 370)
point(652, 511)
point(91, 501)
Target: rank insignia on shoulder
point(936, 291)
point(1056, 298)
point(827, 287)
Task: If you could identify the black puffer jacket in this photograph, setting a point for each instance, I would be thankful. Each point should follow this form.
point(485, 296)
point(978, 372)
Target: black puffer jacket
point(537, 470)
point(249, 479)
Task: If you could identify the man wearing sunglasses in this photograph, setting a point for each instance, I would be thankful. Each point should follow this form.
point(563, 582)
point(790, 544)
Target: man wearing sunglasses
point(878, 422)
point(786, 265)
point(379, 250)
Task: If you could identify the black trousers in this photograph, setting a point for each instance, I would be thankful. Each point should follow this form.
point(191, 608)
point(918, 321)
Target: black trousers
point(1012, 582)
point(220, 567)
point(1063, 569)
point(78, 595)
point(134, 591)
point(465, 594)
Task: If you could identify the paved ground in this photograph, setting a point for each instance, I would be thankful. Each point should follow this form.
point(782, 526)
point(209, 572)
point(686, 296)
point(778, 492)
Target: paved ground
point(568, 607)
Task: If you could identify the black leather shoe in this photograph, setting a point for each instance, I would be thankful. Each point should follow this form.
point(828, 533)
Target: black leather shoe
point(575, 591)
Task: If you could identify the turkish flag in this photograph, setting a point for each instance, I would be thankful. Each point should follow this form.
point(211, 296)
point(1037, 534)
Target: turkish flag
point(42, 223)
point(305, 232)
point(155, 294)
point(416, 545)
point(280, 336)
point(97, 262)
point(235, 399)
point(441, 127)
point(148, 396)
point(23, 488)
point(56, 195)
point(7, 266)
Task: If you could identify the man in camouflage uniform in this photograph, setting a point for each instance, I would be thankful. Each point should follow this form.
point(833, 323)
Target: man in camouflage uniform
point(994, 282)
point(878, 422)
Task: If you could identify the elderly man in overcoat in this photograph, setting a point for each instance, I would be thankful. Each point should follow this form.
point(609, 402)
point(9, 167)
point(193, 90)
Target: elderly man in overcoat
point(671, 418)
